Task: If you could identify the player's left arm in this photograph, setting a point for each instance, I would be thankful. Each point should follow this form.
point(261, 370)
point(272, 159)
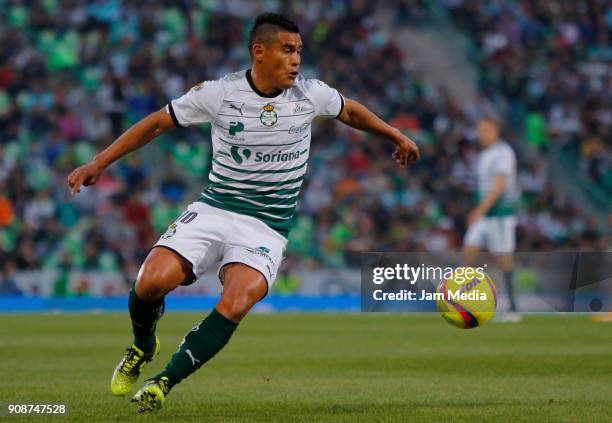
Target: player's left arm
point(499, 185)
point(358, 116)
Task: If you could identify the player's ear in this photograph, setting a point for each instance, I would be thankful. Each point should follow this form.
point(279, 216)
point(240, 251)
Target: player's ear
point(258, 52)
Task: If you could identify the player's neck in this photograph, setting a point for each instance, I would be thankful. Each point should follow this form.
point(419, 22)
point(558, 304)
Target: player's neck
point(491, 144)
point(260, 85)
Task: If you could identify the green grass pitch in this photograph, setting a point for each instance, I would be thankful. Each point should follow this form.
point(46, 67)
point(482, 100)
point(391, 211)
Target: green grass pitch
point(323, 367)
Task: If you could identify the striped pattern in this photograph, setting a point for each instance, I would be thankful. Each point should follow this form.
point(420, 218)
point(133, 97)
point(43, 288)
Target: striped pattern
point(266, 191)
point(260, 143)
point(499, 159)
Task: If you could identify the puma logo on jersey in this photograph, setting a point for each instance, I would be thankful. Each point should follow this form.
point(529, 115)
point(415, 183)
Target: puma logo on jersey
point(235, 107)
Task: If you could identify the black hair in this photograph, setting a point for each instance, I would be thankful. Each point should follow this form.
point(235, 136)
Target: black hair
point(267, 25)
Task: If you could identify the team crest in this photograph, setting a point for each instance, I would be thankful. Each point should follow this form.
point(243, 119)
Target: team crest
point(268, 117)
point(170, 231)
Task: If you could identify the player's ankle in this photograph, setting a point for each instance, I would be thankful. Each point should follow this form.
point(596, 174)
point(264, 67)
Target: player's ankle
point(147, 345)
point(171, 377)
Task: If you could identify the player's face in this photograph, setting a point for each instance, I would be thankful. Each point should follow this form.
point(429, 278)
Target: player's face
point(487, 133)
point(281, 59)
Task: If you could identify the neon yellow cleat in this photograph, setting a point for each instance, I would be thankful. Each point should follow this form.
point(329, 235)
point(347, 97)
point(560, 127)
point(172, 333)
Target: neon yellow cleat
point(129, 368)
point(151, 396)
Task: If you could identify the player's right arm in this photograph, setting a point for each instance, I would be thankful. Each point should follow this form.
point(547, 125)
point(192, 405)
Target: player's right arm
point(497, 189)
point(198, 105)
point(135, 137)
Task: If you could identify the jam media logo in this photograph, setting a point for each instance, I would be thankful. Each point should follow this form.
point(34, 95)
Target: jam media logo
point(235, 127)
point(238, 154)
point(268, 116)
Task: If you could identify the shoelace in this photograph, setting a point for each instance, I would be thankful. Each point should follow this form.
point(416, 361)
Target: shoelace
point(130, 361)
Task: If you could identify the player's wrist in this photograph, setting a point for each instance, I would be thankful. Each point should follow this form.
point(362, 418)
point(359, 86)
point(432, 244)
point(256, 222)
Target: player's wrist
point(396, 136)
point(99, 162)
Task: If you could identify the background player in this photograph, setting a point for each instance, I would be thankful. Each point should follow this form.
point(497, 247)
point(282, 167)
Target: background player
point(240, 223)
point(492, 224)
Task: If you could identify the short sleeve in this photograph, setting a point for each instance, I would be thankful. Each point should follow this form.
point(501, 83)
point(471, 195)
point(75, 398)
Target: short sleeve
point(505, 163)
point(198, 105)
point(327, 101)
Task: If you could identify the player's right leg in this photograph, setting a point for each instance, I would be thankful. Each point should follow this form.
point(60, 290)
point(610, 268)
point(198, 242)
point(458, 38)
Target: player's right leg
point(243, 287)
point(498, 236)
point(503, 243)
point(162, 271)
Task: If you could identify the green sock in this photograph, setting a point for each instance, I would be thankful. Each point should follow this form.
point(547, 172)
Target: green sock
point(508, 279)
point(199, 345)
point(145, 315)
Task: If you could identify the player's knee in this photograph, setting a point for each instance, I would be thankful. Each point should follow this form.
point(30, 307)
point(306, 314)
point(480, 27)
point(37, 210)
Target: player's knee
point(235, 307)
point(154, 282)
point(161, 272)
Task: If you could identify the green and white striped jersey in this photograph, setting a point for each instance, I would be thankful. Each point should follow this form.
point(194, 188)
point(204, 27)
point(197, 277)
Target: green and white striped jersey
point(498, 159)
point(260, 143)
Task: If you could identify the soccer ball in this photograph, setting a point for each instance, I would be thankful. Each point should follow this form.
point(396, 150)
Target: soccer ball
point(467, 298)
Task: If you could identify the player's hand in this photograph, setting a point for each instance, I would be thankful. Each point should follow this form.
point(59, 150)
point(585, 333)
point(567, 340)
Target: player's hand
point(406, 151)
point(85, 175)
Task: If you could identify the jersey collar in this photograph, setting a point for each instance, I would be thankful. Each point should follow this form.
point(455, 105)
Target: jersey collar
point(254, 88)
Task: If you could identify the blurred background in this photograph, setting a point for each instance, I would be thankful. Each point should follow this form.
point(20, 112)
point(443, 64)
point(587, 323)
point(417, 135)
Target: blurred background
point(75, 74)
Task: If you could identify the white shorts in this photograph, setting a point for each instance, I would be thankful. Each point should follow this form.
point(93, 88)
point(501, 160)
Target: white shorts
point(495, 234)
point(207, 236)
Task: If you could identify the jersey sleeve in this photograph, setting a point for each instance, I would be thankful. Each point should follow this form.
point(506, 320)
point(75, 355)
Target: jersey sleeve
point(505, 163)
point(327, 101)
point(198, 105)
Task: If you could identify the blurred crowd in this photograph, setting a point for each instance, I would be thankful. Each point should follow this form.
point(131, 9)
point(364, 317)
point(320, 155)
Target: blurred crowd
point(550, 62)
point(75, 74)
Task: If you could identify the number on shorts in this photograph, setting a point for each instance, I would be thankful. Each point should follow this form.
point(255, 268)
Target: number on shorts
point(188, 217)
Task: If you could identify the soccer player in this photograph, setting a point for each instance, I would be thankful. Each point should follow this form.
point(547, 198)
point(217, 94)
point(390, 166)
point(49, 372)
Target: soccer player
point(492, 224)
point(261, 120)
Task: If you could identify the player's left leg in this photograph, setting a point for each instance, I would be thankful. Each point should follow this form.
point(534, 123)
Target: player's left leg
point(243, 287)
point(502, 233)
point(506, 264)
point(502, 242)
